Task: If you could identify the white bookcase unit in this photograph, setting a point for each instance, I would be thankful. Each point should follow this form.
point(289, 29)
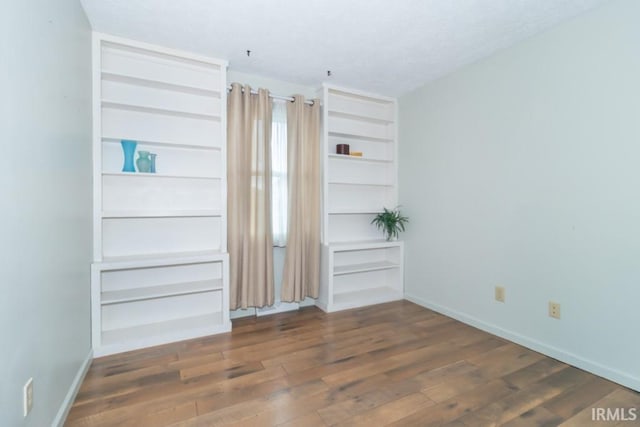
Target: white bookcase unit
point(160, 270)
point(358, 266)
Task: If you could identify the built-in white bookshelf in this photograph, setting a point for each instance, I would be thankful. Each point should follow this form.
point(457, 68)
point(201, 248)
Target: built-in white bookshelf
point(357, 274)
point(160, 270)
point(359, 266)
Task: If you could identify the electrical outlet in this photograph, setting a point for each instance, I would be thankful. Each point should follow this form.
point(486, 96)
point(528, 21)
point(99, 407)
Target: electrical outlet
point(499, 293)
point(554, 310)
point(27, 397)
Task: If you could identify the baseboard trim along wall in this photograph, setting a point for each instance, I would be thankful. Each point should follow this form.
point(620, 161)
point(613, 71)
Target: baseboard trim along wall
point(561, 355)
point(65, 407)
point(279, 307)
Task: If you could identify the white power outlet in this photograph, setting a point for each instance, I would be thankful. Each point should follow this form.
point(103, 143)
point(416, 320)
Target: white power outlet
point(554, 310)
point(27, 397)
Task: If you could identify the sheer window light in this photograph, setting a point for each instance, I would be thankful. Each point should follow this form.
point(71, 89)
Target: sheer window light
point(279, 208)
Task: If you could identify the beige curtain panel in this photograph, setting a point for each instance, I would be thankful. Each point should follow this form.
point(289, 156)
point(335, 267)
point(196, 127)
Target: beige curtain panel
point(301, 277)
point(249, 233)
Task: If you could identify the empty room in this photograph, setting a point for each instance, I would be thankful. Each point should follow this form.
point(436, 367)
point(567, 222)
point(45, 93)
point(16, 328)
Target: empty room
point(320, 213)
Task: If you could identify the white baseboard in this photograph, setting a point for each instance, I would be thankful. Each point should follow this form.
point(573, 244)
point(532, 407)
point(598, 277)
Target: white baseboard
point(61, 416)
point(279, 307)
point(614, 375)
point(321, 305)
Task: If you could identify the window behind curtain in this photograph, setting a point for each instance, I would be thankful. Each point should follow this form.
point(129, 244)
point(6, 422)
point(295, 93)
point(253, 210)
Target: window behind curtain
point(279, 172)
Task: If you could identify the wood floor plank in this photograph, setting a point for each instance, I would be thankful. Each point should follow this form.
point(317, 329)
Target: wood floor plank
point(454, 408)
point(519, 402)
point(163, 417)
point(190, 360)
point(619, 401)
point(454, 386)
point(414, 356)
point(579, 397)
point(505, 360)
point(224, 366)
point(209, 402)
point(309, 420)
point(453, 354)
point(343, 349)
point(115, 411)
point(538, 417)
point(390, 412)
point(366, 395)
point(277, 408)
point(534, 372)
point(395, 363)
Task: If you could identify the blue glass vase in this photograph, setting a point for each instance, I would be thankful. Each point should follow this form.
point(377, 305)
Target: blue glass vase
point(153, 162)
point(143, 162)
point(129, 149)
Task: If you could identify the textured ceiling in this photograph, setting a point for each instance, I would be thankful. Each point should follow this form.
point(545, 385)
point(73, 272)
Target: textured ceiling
point(383, 46)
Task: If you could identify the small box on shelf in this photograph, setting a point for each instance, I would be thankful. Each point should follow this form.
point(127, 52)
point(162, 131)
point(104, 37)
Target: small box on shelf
point(342, 149)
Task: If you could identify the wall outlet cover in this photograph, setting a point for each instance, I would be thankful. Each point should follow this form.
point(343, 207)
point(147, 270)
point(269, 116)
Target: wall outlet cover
point(554, 310)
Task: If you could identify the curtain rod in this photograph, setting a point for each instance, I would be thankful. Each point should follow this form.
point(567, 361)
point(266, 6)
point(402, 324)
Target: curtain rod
point(284, 98)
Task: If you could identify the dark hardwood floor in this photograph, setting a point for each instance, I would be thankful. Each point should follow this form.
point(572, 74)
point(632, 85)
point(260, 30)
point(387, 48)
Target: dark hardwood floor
point(393, 364)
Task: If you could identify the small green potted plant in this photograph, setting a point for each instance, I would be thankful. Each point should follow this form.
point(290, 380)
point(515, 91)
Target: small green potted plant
point(391, 222)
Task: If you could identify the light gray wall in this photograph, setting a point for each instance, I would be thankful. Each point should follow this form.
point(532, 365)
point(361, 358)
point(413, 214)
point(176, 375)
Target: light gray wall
point(523, 170)
point(45, 182)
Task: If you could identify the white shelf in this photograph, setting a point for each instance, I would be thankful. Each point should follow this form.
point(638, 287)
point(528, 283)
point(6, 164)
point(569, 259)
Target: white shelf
point(367, 184)
point(358, 267)
point(358, 94)
point(161, 214)
point(157, 260)
point(370, 296)
point(184, 325)
point(154, 110)
point(157, 175)
point(364, 267)
point(116, 140)
point(365, 244)
point(354, 211)
point(358, 158)
point(359, 137)
point(162, 291)
point(125, 78)
point(345, 115)
point(170, 280)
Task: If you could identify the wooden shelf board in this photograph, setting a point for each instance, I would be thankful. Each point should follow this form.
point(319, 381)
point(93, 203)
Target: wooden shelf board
point(358, 158)
point(161, 291)
point(157, 175)
point(142, 81)
point(141, 332)
point(116, 140)
point(161, 213)
point(345, 115)
point(157, 260)
point(359, 137)
point(343, 301)
point(364, 267)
